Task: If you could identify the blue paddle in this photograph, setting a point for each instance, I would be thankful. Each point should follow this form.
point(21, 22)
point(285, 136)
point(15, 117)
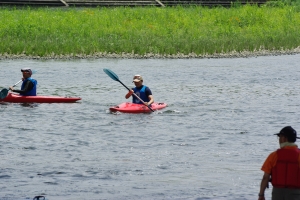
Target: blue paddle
point(4, 91)
point(114, 76)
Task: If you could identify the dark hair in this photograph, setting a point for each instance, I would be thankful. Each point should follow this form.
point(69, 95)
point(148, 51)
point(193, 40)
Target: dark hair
point(290, 138)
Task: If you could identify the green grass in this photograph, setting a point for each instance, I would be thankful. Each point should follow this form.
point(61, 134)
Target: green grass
point(141, 30)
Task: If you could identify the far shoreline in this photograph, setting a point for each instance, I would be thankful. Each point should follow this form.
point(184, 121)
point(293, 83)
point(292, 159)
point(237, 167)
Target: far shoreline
point(244, 54)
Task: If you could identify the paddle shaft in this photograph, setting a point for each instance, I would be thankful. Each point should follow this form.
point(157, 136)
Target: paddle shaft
point(17, 83)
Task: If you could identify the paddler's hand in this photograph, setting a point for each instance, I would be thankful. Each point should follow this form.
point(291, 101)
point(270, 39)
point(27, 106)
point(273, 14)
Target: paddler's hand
point(11, 88)
point(129, 94)
point(261, 197)
point(146, 103)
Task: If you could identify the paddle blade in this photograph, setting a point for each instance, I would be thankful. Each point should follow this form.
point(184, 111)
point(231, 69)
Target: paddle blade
point(3, 93)
point(111, 74)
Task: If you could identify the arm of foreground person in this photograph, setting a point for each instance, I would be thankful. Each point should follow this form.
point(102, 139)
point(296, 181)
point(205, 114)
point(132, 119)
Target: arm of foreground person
point(263, 186)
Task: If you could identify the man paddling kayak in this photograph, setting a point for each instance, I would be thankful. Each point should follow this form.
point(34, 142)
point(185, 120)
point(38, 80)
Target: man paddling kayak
point(28, 87)
point(141, 91)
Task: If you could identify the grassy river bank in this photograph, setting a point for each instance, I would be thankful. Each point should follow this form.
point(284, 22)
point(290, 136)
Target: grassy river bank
point(173, 32)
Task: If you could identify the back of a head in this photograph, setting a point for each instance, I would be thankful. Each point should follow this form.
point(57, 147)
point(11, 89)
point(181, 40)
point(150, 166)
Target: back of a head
point(289, 133)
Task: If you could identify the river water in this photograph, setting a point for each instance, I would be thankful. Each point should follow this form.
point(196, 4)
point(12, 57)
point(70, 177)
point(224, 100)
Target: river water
point(209, 143)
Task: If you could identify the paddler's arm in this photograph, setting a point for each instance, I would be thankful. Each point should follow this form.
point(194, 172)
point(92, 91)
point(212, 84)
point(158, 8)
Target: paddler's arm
point(129, 94)
point(28, 86)
point(263, 186)
point(150, 97)
point(151, 100)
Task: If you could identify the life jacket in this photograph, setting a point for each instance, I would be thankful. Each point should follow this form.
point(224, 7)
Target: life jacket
point(141, 92)
point(286, 173)
point(32, 92)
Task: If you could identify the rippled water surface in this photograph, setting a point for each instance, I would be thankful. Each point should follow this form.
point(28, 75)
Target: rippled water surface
point(209, 143)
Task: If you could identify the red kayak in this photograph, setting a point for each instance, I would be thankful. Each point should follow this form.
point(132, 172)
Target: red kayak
point(136, 108)
point(15, 98)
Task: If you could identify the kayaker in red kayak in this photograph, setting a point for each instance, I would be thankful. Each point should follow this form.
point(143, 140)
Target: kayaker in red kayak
point(28, 87)
point(140, 90)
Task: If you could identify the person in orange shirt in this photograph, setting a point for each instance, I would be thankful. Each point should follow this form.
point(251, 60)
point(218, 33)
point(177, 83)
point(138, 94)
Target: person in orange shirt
point(282, 168)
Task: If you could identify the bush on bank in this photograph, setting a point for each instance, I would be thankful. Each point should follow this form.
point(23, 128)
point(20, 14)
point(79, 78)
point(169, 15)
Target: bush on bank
point(142, 30)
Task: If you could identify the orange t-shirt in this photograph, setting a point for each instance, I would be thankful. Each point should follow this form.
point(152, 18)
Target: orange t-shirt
point(272, 159)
